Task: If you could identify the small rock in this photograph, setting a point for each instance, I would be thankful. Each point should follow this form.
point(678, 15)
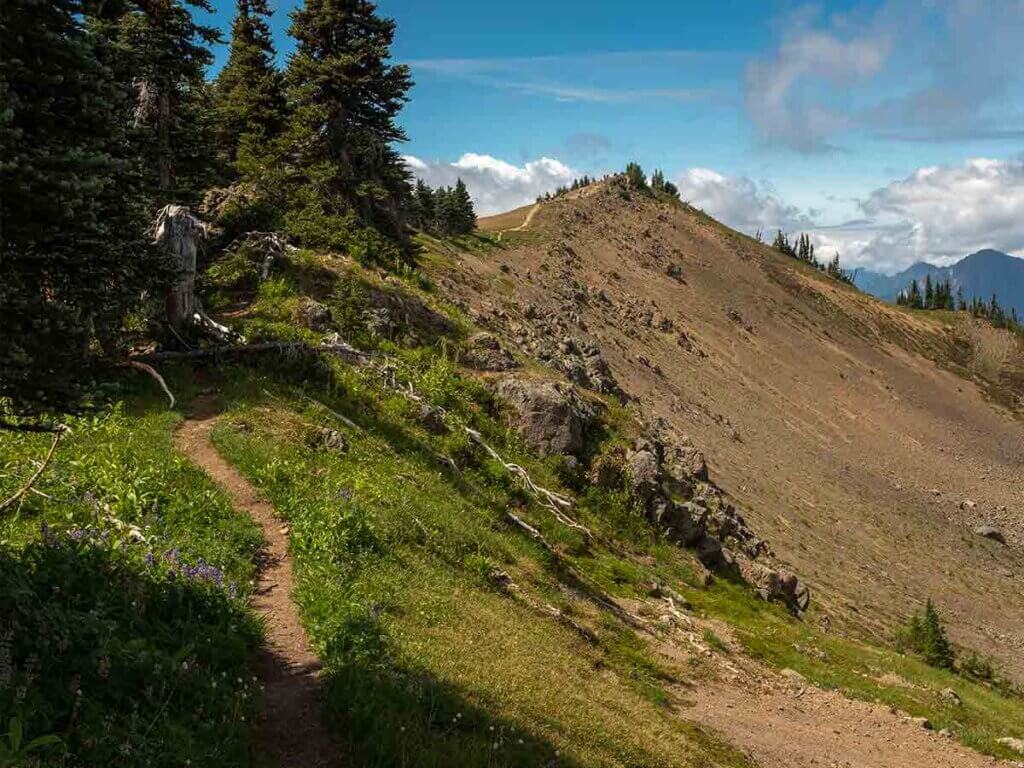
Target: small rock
point(1017, 745)
point(968, 504)
point(951, 696)
point(990, 532)
point(920, 722)
point(329, 439)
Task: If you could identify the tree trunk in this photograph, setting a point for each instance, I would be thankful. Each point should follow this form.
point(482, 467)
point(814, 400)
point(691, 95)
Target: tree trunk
point(178, 232)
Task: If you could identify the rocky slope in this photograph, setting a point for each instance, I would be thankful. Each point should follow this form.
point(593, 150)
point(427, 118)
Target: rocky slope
point(864, 442)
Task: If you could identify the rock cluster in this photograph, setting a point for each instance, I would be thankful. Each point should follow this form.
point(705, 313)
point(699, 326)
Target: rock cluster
point(395, 314)
point(484, 352)
point(551, 417)
point(670, 483)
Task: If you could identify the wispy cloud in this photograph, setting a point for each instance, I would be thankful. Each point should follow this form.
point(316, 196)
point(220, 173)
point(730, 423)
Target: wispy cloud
point(947, 70)
point(607, 77)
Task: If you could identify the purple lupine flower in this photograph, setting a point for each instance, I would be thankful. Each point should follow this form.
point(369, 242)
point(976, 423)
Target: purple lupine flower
point(76, 534)
point(233, 590)
point(150, 560)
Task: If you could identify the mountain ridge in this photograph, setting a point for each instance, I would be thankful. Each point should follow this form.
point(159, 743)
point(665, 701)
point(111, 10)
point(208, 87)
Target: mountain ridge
point(980, 274)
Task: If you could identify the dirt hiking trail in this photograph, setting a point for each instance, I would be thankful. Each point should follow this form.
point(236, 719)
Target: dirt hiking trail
point(290, 729)
point(524, 225)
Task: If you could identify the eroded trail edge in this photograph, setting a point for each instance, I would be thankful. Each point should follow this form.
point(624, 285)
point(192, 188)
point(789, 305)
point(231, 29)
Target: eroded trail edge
point(291, 730)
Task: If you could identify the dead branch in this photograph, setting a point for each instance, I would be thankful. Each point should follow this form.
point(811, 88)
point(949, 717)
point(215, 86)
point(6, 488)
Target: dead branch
point(343, 419)
point(42, 468)
point(151, 371)
point(341, 349)
point(32, 427)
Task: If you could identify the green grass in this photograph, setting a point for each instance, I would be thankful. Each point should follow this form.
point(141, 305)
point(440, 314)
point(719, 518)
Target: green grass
point(429, 662)
point(113, 644)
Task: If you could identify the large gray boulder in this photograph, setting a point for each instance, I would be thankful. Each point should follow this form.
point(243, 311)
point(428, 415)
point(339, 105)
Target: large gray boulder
point(484, 352)
point(552, 418)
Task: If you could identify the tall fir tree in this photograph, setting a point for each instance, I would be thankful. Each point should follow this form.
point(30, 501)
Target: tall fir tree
point(166, 53)
point(72, 250)
point(345, 96)
point(248, 93)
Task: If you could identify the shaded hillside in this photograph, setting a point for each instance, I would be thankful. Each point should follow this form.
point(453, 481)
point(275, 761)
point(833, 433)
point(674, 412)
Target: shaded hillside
point(865, 441)
point(981, 274)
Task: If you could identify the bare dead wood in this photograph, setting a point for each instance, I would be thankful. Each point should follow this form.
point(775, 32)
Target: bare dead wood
point(341, 349)
point(38, 473)
point(152, 372)
point(32, 427)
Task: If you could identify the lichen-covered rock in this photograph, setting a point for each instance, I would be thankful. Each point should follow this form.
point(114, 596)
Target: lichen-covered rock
point(325, 438)
point(312, 314)
point(552, 418)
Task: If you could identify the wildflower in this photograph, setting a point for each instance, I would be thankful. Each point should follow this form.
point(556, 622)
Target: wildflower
point(150, 560)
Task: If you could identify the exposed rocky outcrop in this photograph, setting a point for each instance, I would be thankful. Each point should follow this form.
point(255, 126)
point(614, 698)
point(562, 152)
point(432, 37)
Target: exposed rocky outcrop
point(670, 484)
point(395, 314)
point(551, 417)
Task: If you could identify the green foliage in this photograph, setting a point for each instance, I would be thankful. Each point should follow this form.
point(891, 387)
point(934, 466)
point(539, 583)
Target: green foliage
point(72, 247)
point(248, 93)
point(116, 585)
point(635, 177)
point(925, 636)
point(662, 188)
point(345, 97)
point(128, 665)
point(444, 211)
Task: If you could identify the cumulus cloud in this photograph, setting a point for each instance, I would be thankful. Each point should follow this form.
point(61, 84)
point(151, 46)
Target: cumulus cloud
point(495, 185)
point(937, 214)
point(740, 202)
point(942, 71)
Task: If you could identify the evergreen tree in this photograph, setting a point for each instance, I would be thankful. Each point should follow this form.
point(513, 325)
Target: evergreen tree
point(635, 176)
point(914, 296)
point(248, 95)
point(165, 55)
point(425, 207)
point(462, 206)
point(345, 97)
point(937, 650)
point(961, 305)
point(929, 293)
point(72, 253)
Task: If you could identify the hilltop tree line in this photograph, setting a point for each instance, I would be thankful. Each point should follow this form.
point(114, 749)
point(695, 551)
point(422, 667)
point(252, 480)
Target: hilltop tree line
point(107, 116)
point(802, 249)
point(580, 183)
point(939, 295)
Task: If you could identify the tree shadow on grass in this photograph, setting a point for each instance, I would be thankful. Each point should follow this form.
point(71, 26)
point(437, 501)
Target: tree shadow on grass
point(398, 718)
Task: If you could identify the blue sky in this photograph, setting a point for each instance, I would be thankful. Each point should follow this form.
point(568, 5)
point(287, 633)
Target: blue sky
point(892, 130)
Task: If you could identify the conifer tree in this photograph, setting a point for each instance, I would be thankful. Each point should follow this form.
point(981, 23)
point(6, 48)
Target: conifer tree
point(635, 176)
point(462, 205)
point(72, 251)
point(248, 95)
point(929, 293)
point(166, 55)
point(937, 650)
point(345, 96)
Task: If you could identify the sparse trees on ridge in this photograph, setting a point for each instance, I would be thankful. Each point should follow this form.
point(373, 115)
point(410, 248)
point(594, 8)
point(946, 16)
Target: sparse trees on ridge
point(443, 211)
point(803, 250)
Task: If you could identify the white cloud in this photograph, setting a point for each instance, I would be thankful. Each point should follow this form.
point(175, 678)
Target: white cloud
point(945, 70)
point(772, 97)
point(495, 185)
point(937, 214)
point(741, 203)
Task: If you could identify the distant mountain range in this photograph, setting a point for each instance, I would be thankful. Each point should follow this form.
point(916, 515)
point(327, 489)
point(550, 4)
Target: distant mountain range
point(980, 274)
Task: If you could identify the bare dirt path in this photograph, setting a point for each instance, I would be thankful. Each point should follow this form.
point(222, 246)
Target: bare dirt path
point(291, 733)
point(526, 222)
point(786, 724)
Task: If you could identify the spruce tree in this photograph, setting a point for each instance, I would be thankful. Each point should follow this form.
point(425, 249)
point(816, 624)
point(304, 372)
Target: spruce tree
point(464, 217)
point(345, 97)
point(937, 650)
point(248, 93)
point(72, 250)
point(165, 55)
